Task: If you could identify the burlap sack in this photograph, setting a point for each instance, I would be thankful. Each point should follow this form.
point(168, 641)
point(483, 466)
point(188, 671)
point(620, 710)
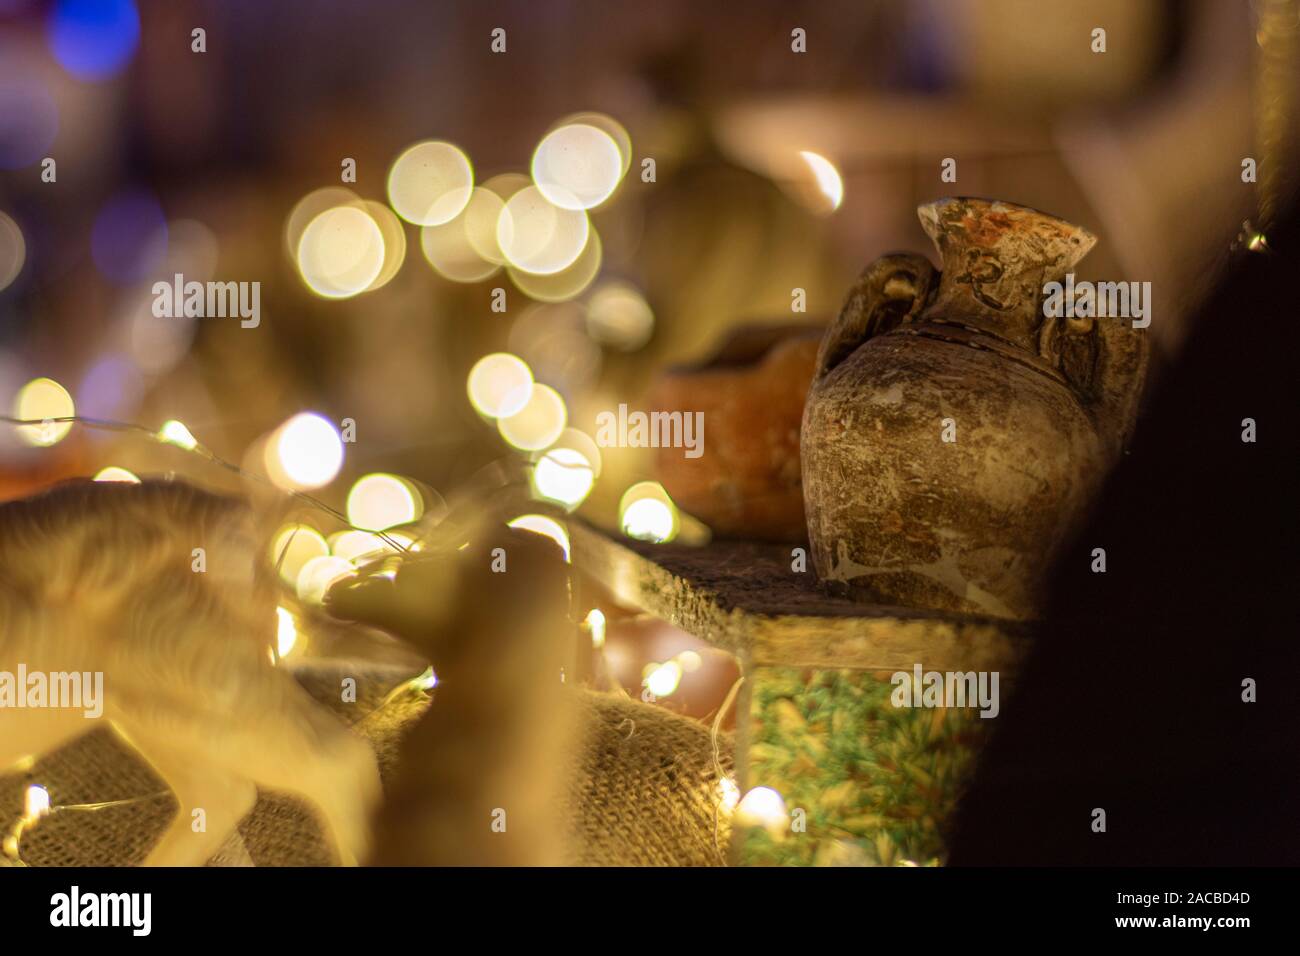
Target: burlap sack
point(644, 789)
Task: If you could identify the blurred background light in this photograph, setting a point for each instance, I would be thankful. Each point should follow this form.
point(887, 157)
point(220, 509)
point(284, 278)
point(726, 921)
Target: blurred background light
point(453, 248)
point(762, 807)
point(394, 237)
point(577, 166)
point(619, 316)
point(569, 282)
point(286, 635)
point(356, 545)
point(430, 183)
point(319, 574)
point(499, 385)
point(611, 128)
point(93, 39)
point(114, 473)
point(647, 513)
point(539, 423)
point(827, 178)
point(565, 476)
point(293, 547)
point(381, 501)
point(308, 208)
point(305, 452)
point(13, 251)
point(128, 241)
point(539, 237)
point(176, 433)
point(43, 398)
point(341, 252)
point(663, 679)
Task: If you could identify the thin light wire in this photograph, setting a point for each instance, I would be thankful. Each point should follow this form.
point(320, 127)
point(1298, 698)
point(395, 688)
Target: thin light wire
point(206, 454)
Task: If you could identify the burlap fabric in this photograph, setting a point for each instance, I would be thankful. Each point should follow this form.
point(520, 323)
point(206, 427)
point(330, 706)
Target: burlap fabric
point(643, 789)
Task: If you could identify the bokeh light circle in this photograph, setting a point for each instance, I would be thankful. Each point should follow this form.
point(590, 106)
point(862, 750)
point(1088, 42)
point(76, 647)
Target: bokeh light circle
point(539, 423)
point(43, 398)
point(577, 166)
point(499, 385)
point(341, 252)
point(537, 236)
point(430, 183)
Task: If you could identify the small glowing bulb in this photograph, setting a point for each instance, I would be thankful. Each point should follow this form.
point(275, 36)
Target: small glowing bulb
point(380, 501)
point(540, 524)
point(648, 519)
point(36, 804)
point(294, 546)
point(762, 807)
point(175, 433)
point(827, 176)
point(729, 793)
point(539, 423)
point(428, 680)
point(113, 473)
point(44, 398)
point(565, 476)
point(663, 680)
point(500, 385)
point(595, 622)
point(286, 633)
point(305, 452)
point(320, 574)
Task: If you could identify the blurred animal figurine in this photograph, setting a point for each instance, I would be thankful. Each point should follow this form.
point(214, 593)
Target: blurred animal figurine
point(103, 578)
point(482, 777)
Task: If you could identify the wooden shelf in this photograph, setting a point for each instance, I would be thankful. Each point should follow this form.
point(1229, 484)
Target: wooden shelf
point(744, 597)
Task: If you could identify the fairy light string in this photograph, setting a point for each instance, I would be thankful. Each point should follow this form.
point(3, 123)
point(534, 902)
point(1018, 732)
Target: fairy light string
point(201, 451)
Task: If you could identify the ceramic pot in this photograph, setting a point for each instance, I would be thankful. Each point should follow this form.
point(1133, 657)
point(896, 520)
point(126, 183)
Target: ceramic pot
point(954, 434)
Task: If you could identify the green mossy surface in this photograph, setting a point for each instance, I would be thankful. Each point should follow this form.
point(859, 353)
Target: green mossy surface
point(878, 783)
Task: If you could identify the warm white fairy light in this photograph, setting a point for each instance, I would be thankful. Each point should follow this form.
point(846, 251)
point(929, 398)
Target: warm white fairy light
point(293, 547)
point(539, 423)
point(114, 473)
point(380, 501)
point(537, 236)
point(304, 452)
point(286, 635)
point(499, 385)
point(827, 177)
point(595, 622)
point(728, 794)
point(648, 514)
point(36, 803)
point(320, 574)
point(430, 183)
point(663, 679)
point(175, 433)
point(565, 476)
point(577, 166)
point(44, 399)
point(763, 807)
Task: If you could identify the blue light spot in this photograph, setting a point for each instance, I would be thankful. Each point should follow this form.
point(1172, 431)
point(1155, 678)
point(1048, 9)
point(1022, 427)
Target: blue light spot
point(93, 39)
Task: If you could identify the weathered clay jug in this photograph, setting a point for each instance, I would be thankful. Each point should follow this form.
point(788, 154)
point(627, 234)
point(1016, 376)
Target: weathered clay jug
point(953, 433)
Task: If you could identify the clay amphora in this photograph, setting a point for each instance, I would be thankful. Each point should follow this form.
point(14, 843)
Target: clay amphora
point(954, 434)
